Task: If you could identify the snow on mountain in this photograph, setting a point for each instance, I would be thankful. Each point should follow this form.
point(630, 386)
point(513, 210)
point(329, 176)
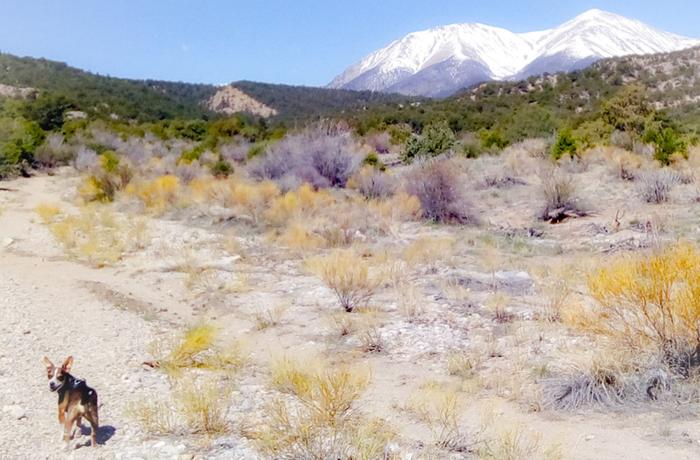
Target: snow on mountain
point(440, 61)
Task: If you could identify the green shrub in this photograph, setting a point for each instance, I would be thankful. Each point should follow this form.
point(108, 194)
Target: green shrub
point(666, 139)
point(19, 140)
point(257, 149)
point(565, 144)
point(221, 168)
point(372, 159)
point(436, 139)
point(493, 139)
point(592, 133)
point(472, 149)
point(189, 156)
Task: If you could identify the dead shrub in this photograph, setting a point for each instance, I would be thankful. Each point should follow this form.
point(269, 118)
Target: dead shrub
point(441, 192)
point(559, 193)
point(656, 186)
point(596, 383)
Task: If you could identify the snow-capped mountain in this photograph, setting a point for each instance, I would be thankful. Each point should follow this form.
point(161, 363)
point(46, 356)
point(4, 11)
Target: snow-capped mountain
point(440, 61)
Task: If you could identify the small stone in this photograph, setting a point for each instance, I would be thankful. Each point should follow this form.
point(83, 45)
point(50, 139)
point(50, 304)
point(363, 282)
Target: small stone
point(7, 242)
point(590, 437)
point(14, 411)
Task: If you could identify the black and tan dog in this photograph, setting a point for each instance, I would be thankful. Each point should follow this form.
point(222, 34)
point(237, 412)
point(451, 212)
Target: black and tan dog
point(75, 399)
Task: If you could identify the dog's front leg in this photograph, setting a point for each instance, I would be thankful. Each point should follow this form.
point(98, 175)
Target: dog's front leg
point(67, 428)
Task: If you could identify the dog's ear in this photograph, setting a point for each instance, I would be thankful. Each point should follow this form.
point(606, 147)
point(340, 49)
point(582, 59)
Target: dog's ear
point(47, 363)
point(67, 364)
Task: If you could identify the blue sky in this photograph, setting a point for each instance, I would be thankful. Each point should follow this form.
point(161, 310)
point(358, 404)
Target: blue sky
point(296, 42)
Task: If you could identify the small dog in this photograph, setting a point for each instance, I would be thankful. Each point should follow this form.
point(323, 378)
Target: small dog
point(75, 399)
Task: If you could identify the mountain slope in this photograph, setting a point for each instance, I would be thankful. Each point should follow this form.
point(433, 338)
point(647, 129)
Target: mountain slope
point(439, 61)
point(151, 100)
point(539, 105)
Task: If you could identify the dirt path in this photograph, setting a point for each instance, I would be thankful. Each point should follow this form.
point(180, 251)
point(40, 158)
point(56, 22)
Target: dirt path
point(47, 309)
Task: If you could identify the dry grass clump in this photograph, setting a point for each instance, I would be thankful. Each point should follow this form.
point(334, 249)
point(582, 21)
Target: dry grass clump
point(595, 381)
point(316, 416)
point(373, 184)
point(347, 275)
point(463, 365)
point(627, 165)
point(652, 302)
point(198, 347)
point(409, 299)
point(301, 203)
point(252, 199)
point(441, 192)
point(155, 415)
point(514, 442)
point(157, 194)
point(98, 235)
point(203, 405)
point(441, 410)
point(656, 186)
point(199, 407)
point(559, 193)
point(429, 250)
point(556, 285)
point(497, 303)
point(400, 207)
point(269, 317)
point(48, 212)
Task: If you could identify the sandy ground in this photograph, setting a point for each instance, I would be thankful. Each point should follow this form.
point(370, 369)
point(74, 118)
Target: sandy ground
point(106, 318)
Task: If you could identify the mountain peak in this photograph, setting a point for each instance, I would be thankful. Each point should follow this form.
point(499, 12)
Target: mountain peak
point(594, 13)
point(444, 59)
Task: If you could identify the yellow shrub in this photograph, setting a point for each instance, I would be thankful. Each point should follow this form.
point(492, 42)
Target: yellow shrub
point(651, 300)
point(48, 212)
point(197, 347)
point(348, 275)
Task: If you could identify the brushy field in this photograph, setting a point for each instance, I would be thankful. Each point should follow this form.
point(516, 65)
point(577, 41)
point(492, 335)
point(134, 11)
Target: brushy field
point(348, 305)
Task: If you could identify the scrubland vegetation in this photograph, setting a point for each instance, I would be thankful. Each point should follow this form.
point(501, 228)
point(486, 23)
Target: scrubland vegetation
point(375, 289)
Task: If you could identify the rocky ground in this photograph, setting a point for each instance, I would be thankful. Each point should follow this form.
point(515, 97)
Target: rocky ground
point(107, 318)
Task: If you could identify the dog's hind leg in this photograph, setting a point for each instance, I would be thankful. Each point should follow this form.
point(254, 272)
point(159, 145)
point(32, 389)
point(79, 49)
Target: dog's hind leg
point(92, 418)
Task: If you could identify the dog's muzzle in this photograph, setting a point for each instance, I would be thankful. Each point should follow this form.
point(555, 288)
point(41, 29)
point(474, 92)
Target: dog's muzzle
point(55, 387)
